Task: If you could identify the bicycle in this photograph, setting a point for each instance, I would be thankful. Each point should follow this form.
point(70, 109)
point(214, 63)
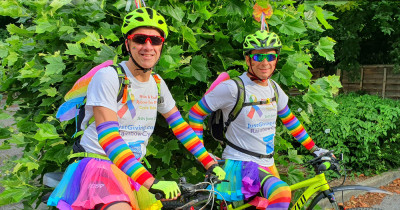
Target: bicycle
point(193, 196)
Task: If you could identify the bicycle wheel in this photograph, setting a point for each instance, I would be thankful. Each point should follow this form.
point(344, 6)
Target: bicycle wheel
point(324, 204)
point(340, 190)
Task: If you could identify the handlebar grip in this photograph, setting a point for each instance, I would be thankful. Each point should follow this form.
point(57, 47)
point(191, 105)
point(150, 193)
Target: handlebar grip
point(159, 196)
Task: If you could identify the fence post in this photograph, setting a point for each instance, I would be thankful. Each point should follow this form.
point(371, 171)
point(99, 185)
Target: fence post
point(384, 83)
point(362, 78)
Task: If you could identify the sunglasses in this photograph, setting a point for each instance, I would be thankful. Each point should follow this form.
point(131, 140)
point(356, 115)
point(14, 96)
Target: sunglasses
point(143, 38)
point(260, 57)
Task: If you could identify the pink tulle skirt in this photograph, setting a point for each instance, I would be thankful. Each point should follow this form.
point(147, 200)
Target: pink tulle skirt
point(93, 181)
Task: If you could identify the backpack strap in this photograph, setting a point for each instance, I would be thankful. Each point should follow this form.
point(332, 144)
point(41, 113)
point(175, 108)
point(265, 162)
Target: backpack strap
point(160, 99)
point(240, 103)
point(275, 90)
point(123, 83)
point(241, 95)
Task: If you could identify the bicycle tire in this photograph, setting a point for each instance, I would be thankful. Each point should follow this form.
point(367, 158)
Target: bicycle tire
point(327, 205)
point(344, 188)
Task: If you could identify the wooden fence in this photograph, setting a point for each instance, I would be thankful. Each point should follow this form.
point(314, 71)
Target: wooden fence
point(373, 79)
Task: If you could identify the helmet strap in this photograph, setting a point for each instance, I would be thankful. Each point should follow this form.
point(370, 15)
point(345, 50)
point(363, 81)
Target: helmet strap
point(139, 66)
point(253, 76)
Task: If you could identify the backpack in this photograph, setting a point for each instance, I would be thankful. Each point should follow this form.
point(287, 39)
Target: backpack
point(218, 127)
point(75, 99)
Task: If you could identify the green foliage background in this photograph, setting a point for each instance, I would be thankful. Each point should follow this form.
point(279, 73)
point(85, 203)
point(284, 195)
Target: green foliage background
point(52, 44)
point(366, 33)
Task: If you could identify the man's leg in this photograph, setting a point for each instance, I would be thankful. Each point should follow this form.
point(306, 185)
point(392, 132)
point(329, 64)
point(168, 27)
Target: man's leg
point(275, 190)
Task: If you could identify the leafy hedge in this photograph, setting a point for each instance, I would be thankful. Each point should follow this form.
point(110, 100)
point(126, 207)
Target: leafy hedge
point(365, 129)
point(53, 43)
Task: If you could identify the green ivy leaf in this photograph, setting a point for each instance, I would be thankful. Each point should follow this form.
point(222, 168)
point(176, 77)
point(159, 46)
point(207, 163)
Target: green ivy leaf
point(291, 26)
point(4, 133)
point(18, 139)
point(75, 49)
point(43, 25)
point(302, 75)
point(12, 58)
point(13, 29)
point(325, 48)
point(67, 29)
point(320, 16)
point(4, 116)
point(50, 91)
point(176, 12)
point(106, 53)
point(12, 195)
point(3, 49)
point(317, 96)
point(46, 131)
point(57, 4)
point(311, 21)
point(198, 68)
point(105, 31)
point(56, 64)
point(91, 39)
point(26, 162)
point(188, 36)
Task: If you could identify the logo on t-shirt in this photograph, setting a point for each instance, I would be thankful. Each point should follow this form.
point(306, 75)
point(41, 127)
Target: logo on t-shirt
point(269, 140)
point(128, 106)
point(254, 108)
point(136, 148)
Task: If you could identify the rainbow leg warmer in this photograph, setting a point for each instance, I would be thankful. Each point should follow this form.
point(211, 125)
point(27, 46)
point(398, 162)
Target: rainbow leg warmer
point(188, 138)
point(277, 192)
point(296, 128)
point(196, 117)
point(119, 153)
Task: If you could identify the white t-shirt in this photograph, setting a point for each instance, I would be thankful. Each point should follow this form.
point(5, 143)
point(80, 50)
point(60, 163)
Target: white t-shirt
point(136, 125)
point(254, 127)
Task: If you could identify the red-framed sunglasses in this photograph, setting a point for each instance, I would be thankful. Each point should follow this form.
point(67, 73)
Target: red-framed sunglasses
point(143, 38)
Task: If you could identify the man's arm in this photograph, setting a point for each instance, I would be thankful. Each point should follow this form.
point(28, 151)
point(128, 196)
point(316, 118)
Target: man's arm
point(188, 137)
point(115, 147)
point(298, 131)
point(196, 117)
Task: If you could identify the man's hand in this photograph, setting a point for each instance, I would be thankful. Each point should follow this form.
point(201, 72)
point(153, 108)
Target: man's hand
point(218, 171)
point(319, 151)
point(169, 189)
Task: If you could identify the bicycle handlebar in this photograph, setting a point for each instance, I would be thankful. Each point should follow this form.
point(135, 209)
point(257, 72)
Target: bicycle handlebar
point(324, 162)
point(188, 189)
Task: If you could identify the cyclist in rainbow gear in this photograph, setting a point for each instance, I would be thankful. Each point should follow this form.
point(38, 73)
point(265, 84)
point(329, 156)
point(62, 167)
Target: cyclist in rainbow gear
point(111, 175)
point(254, 177)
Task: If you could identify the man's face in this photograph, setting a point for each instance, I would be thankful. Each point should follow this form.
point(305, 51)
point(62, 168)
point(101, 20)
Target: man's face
point(263, 69)
point(145, 54)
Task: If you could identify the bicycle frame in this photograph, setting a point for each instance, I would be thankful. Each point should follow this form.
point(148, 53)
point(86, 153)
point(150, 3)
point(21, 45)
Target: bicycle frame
point(316, 184)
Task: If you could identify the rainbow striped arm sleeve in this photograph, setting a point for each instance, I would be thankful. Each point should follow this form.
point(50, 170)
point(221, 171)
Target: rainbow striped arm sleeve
point(295, 128)
point(196, 117)
point(119, 153)
point(188, 138)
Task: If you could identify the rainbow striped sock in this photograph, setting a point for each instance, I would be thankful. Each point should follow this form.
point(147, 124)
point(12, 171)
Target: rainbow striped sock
point(277, 192)
point(119, 153)
point(295, 128)
point(196, 117)
point(188, 138)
